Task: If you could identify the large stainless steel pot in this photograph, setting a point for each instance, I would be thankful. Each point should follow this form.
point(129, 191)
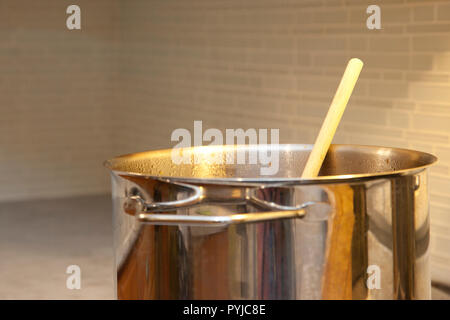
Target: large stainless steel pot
point(223, 231)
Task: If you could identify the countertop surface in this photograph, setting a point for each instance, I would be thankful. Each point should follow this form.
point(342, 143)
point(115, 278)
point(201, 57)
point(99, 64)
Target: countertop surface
point(40, 239)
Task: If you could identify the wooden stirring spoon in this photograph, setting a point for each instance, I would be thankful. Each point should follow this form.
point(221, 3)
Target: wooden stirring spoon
point(337, 277)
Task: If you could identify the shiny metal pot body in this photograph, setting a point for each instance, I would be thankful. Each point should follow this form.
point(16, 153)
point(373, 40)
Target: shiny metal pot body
point(223, 231)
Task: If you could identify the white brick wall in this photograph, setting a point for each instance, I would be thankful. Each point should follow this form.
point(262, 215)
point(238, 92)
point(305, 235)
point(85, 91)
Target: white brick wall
point(70, 99)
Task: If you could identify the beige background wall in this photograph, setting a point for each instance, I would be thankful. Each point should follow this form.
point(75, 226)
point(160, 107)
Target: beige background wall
point(140, 69)
point(56, 104)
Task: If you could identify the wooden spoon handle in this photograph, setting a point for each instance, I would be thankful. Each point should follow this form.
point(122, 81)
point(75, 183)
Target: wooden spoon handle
point(331, 122)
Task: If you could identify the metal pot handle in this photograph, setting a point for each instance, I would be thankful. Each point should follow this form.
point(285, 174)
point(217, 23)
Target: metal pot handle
point(135, 204)
point(218, 221)
point(144, 211)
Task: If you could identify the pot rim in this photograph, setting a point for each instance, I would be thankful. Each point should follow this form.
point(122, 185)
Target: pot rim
point(429, 160)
